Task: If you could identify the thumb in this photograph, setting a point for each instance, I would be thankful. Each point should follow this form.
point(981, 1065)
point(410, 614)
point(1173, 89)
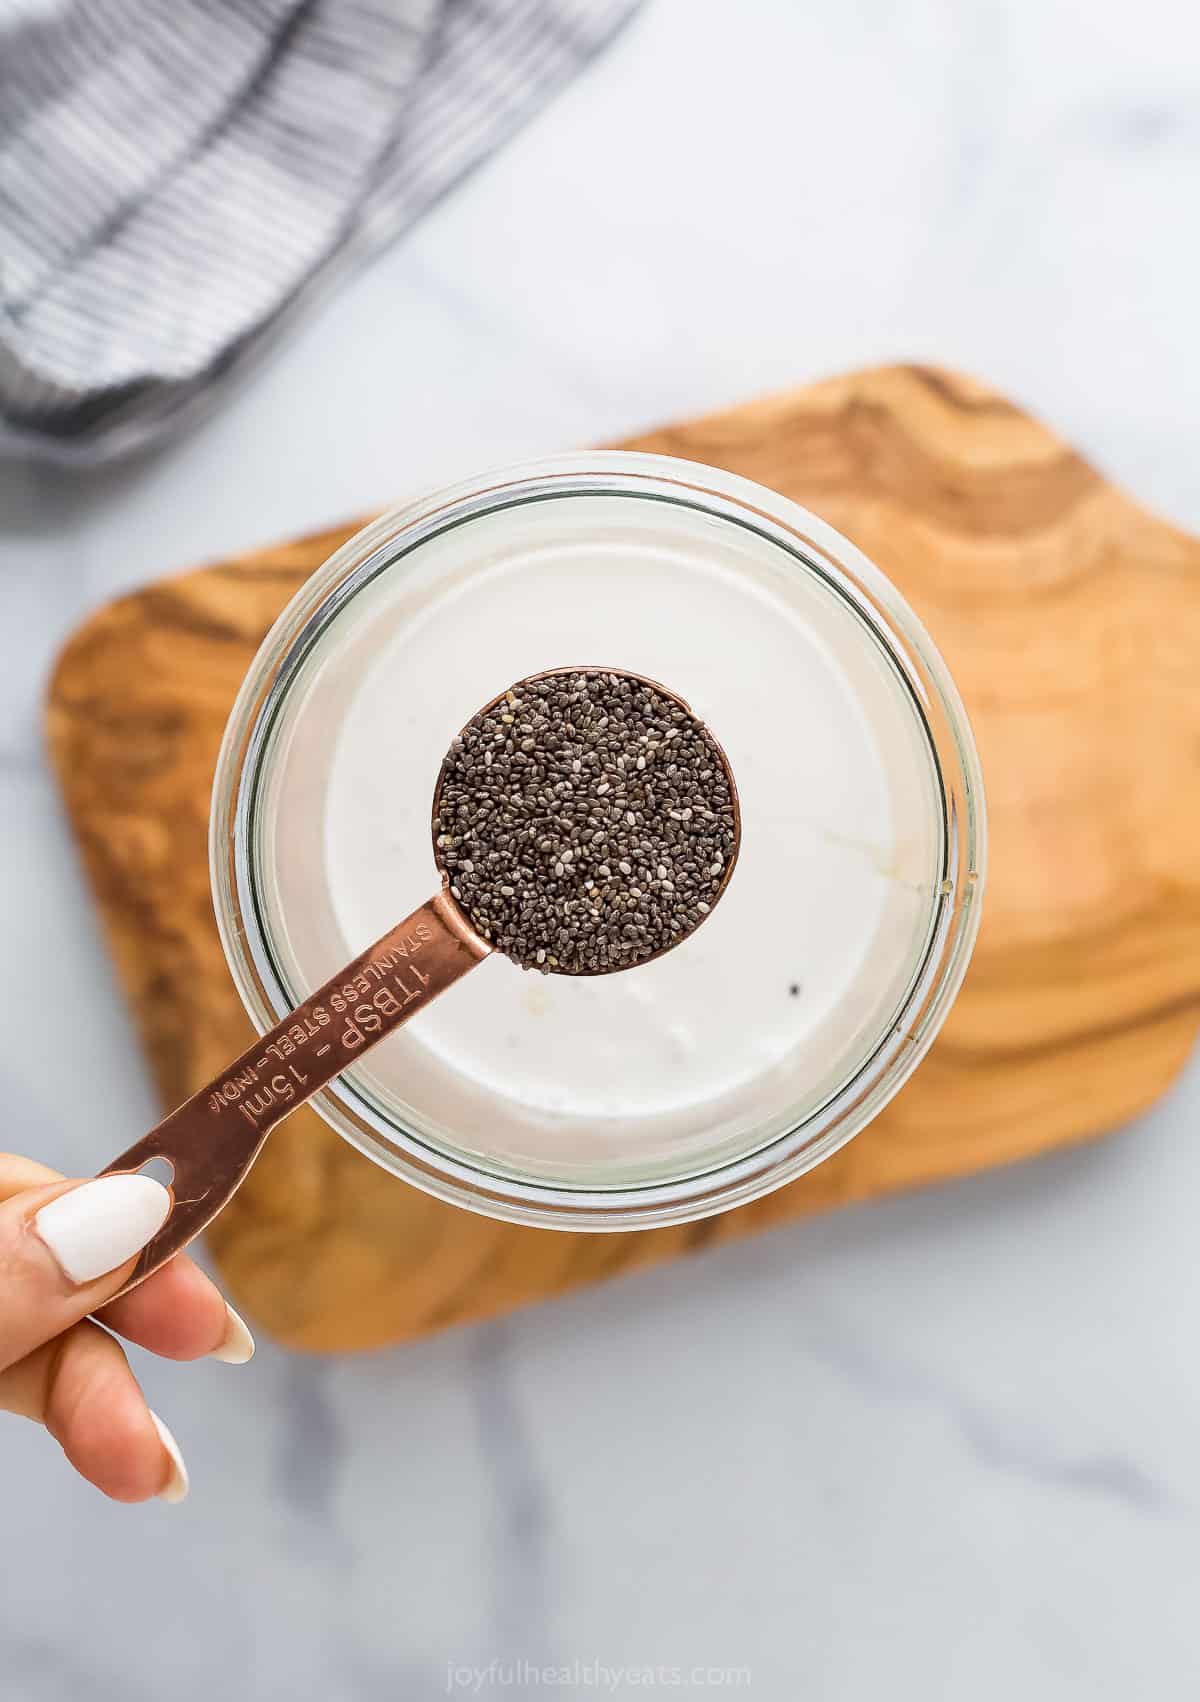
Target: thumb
point(64, 1250)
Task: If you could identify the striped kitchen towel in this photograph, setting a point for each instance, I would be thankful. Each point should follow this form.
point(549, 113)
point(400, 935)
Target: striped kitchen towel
point(178, 176)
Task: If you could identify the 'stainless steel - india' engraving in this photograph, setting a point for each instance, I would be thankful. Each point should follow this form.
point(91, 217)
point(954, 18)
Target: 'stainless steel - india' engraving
point(342, 1022)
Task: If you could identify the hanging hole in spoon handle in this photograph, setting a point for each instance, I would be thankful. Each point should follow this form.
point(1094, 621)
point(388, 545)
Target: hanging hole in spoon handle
point(212, 1139)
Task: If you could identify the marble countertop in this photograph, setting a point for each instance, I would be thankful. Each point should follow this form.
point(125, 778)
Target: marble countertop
point(944, 1447)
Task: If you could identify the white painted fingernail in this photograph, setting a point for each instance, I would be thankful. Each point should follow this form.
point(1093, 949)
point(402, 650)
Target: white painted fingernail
point(238, 1345)
point(97, 1226)
point(177, 1484)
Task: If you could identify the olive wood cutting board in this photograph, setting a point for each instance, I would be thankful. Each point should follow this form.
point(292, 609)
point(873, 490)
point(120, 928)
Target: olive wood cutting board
point(1071, 620)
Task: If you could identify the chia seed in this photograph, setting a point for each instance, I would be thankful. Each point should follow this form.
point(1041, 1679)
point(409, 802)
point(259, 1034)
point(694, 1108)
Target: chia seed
point(567, 851)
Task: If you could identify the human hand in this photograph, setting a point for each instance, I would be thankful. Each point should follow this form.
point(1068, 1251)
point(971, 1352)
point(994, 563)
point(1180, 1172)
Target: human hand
point(65, 1249)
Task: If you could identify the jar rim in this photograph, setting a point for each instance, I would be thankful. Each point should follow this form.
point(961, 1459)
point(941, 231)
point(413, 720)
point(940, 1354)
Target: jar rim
point(819, 549)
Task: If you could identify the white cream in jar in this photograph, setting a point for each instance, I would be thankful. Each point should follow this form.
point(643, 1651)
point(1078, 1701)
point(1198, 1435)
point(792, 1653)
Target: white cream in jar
point(803, 966)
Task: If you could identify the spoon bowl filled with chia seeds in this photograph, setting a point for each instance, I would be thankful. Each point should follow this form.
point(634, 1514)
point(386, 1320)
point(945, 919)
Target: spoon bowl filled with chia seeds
point(586, 821)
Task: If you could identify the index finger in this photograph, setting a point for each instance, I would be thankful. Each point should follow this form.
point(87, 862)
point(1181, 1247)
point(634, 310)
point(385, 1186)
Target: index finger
point(179, 1313)
point(17, 1174)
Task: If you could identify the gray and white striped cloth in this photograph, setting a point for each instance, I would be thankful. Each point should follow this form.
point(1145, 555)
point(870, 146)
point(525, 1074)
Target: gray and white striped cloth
point(178, 176)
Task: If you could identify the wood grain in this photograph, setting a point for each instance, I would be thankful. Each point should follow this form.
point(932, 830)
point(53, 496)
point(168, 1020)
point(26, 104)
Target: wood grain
point(1071, 620)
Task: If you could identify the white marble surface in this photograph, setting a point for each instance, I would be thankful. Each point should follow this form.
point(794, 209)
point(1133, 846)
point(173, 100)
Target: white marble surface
point(946, 1447)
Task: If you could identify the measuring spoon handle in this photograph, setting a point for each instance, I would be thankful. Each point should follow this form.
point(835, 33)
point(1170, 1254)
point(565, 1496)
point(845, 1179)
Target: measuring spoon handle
point(213, 1138)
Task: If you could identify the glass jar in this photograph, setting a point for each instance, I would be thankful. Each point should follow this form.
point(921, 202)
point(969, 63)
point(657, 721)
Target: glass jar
point(760, 1045)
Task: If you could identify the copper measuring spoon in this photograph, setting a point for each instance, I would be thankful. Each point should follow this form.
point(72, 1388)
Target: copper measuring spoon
point(212, 1139)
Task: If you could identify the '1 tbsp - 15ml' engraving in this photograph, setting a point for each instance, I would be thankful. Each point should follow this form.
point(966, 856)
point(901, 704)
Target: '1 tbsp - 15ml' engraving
point(213, 1138)
point(382, 989)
